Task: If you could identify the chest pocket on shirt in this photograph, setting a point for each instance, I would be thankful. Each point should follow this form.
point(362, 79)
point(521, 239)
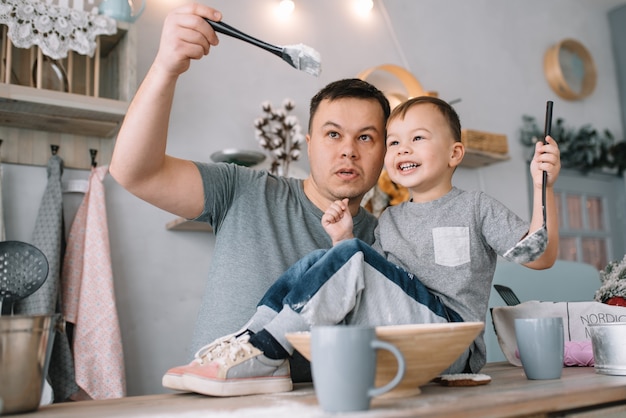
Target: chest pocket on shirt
point(451, 246)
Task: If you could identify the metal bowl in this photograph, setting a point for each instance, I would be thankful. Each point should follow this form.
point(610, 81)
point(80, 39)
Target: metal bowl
point(608, 341)
point(25, 347)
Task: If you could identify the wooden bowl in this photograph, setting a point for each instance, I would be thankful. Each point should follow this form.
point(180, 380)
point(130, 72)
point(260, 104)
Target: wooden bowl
point(428, 350)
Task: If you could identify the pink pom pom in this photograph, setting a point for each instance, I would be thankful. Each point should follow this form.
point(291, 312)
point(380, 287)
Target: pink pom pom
point(578, 353)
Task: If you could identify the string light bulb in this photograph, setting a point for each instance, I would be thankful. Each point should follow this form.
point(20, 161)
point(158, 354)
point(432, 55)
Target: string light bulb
point(285, 8)
point(364, 7)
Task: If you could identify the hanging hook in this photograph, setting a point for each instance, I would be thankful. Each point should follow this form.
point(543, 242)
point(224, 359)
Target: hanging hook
point(54, 149)
point(93, 153)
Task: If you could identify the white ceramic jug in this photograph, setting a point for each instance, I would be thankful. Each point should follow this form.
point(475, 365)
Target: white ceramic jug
point(120, 9)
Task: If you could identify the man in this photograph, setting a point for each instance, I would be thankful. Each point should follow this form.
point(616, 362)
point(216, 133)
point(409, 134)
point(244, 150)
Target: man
point(263, 224)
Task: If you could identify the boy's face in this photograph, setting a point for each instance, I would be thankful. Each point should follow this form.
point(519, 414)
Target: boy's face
point(346, 150)
point(421, 152)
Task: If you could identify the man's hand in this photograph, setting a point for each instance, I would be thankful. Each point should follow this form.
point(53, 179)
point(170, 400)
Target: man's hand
point(186, 36)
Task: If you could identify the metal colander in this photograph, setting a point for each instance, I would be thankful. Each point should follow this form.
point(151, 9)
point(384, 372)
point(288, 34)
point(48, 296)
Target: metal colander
point(23, 269)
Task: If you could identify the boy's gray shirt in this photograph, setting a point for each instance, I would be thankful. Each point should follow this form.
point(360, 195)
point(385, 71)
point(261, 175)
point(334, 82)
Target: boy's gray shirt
point(263, 224)
point(451, 245)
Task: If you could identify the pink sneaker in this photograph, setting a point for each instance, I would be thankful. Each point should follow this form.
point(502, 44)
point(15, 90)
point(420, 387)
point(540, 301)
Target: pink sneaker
point(173, 378)
point(241, 369)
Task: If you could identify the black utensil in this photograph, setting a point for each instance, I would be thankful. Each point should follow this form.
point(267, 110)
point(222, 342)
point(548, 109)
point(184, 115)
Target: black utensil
point(546, 132)
point(507, 294)
point(534, 244)
point(299, 56)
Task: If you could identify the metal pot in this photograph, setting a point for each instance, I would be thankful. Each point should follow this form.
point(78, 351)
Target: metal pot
point(25, 347)
point(608, 342)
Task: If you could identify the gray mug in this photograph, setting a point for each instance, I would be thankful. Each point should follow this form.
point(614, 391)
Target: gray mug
point(540, 342)
point(343, 363)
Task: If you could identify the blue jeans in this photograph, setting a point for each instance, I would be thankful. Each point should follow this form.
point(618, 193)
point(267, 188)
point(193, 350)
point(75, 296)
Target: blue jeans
point(299, 285)
point(350, 283)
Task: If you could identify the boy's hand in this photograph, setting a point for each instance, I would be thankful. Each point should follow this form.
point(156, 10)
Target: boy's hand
point(547, 158)
point(337, 221)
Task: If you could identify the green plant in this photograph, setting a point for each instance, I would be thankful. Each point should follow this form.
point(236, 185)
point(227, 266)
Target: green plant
point(584, 149)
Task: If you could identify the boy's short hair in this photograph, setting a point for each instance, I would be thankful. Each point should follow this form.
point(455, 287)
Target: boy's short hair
point(444, 107)
point(349, 88)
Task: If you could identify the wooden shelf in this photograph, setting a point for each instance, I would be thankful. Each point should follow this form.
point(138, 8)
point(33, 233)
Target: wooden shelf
point(53, 111)
point(182, 224)
point(86, 116)
point(97, 96)
point(476, 159)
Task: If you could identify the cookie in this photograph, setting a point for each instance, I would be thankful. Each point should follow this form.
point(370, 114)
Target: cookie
point(463, 379)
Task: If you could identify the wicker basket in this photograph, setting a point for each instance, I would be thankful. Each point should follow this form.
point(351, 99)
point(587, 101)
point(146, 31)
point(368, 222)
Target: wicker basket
point(484, 141)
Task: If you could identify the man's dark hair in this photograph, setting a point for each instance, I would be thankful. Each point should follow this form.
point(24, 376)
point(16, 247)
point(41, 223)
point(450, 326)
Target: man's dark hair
point(349, 88)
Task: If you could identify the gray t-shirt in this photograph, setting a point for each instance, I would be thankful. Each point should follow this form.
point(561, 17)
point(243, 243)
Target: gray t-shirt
point(451, 244)
point(263, 224)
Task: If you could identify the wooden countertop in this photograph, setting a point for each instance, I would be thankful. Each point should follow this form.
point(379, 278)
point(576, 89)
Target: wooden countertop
point(508, 394)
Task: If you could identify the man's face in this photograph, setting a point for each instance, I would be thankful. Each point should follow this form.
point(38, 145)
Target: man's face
point(346, 148)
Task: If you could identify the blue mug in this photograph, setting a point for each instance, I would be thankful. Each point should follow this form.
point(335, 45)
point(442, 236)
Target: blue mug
point(343, 362)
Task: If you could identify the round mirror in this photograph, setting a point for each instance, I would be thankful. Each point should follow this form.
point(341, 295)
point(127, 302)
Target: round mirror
point(570, 70)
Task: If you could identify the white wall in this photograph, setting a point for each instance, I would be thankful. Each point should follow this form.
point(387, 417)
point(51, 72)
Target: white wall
point(489, 53)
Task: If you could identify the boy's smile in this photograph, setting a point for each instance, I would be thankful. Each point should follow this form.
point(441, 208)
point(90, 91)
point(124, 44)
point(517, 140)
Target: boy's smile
point(421, 152)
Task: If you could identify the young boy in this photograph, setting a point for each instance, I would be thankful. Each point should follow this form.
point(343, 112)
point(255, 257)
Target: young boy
point(433, 260)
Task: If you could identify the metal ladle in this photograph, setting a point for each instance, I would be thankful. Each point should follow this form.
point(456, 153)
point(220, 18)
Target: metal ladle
point(23, 269)
point(533, 245)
